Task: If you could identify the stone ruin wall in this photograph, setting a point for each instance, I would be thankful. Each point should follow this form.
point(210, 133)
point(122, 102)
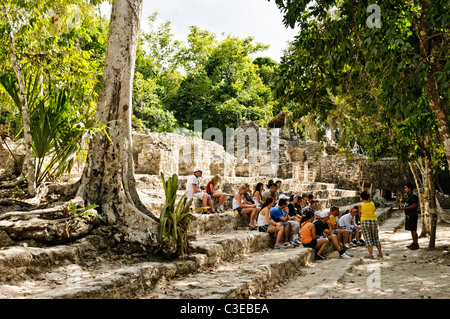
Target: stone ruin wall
point(299, 160)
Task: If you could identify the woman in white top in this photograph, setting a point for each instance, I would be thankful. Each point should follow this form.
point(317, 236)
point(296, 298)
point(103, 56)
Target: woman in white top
point(239, 208)
point(267, 225)
point(257, 198)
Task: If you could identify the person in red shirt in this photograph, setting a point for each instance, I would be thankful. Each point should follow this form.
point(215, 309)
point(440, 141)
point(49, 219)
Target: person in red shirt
point(212, 190)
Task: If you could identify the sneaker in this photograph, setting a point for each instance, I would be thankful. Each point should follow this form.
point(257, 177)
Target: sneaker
point(279, 246)
point(352, 244)
point(346, 246)
point(293, 243)
point(361, 240)
point(298, 242)
point(288, 245)
point(414, 247)
point(348, 254)
point(344, 256)
point(319, 257)
point(359, 243)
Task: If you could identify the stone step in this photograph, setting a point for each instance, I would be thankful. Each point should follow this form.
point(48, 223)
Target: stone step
point(16, 261)
point(251, 274)
point(246, 265)
point(117, 279)
point(241, 278)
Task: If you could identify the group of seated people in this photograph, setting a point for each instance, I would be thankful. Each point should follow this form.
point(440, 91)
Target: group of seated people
point(294, 220)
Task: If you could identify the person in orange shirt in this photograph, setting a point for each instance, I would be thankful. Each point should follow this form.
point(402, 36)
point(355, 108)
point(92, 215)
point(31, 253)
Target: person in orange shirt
point(308, 235)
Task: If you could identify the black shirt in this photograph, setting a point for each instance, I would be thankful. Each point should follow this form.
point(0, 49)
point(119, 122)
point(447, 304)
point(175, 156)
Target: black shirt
point(320, 227)
point(412, 198)
point(292, 210)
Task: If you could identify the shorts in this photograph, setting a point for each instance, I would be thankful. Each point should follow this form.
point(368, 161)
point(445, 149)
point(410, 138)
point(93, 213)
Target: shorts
point(210, 194)
point(370, 232)
point(294, 224)
point(198, 195)
point(237, 211)
point(264, 228)
point(411, 222)
point(350, 229)
point(311, 244)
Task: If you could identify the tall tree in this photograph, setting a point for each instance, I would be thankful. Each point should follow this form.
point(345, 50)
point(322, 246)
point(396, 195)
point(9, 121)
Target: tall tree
point(402, 44)
point(108, 178)
point(17, 67)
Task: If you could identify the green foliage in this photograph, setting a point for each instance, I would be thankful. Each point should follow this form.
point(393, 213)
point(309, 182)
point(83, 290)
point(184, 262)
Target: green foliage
point(379, 74)
point(205, 79)
point(175, 219)
point(86, 211)
point(60, 48)
point(149, 111)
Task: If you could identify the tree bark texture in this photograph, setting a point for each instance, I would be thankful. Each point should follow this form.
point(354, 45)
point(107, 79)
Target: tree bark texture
point(108, 178)
point(426, 34)
point(29, 159)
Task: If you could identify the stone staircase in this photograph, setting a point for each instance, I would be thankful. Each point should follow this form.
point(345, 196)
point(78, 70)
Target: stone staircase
point(226, 259)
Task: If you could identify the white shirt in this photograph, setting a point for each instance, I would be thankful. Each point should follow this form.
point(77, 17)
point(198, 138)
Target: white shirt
point(190, 189)
point(346, 221)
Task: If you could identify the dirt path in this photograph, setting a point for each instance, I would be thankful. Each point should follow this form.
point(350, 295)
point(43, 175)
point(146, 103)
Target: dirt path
point(401, 274)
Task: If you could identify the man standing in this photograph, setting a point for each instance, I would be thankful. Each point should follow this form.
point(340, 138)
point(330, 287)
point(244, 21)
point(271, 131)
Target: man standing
point(193, 190)
point(411, 214)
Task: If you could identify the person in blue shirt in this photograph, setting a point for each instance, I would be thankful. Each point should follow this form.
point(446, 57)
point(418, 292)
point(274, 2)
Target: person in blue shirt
point(279, 213)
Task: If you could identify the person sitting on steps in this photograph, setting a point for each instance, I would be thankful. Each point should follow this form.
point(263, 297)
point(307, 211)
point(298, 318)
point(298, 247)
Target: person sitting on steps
point(212, 190)
point(308, 235)
point(193, 190)
point(280, 213)
point(239, 208)
point(268, 225)
point(324, 230)
point(257, 197)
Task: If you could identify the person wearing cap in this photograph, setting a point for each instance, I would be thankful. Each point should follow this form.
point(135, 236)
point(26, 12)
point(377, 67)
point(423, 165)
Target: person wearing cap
point(193, 190)
point(324, 230)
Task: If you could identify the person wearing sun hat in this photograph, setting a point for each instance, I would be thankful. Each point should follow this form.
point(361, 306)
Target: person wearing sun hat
point(193, 190)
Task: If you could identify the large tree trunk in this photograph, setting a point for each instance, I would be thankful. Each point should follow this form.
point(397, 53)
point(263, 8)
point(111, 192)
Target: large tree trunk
point(108, 178)
point(29, 159)
point(426, 34)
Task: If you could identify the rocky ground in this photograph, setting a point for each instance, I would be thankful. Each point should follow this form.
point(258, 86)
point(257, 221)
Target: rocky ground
point(400, 274)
